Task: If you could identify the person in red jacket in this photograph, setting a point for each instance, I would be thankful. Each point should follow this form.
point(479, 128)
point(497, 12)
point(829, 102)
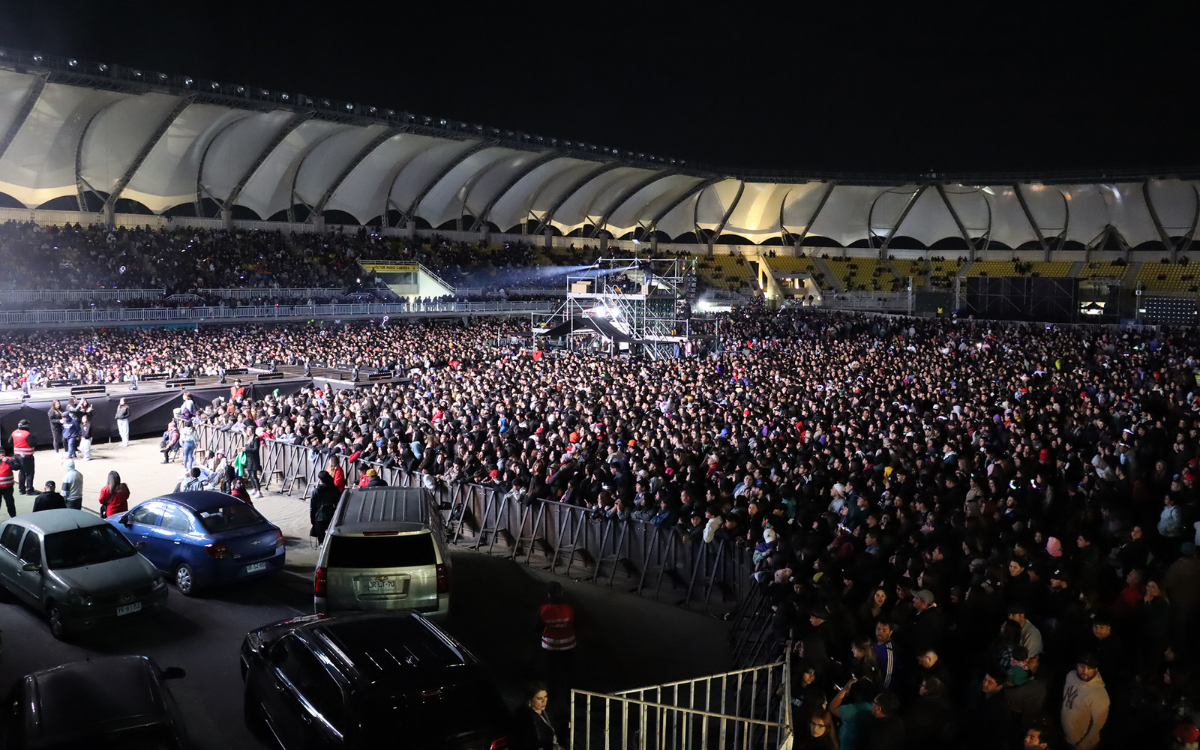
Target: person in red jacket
point(6, 484)
point(339, 476)
point(114, 496)
point(557, 619)
point(22, 446)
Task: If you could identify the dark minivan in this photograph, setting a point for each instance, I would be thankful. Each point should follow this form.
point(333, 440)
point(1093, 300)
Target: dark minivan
point(369, 680)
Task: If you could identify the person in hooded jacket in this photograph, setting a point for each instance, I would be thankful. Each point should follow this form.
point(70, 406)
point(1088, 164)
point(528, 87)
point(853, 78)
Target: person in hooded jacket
point(324, 500)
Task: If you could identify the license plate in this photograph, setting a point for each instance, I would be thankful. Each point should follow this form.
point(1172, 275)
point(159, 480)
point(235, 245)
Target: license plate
point(386, 586)
point(255, 567)
point(129, 609)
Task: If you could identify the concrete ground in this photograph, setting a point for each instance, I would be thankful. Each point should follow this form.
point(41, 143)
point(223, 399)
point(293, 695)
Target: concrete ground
point(625, 641)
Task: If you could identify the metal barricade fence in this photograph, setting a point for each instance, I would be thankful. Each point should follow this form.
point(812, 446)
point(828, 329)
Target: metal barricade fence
point(555, 537)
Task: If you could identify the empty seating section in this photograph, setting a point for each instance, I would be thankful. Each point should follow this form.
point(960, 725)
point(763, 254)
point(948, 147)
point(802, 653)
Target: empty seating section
point(1169, 277)
point(1052, 269)
point(730, 272)
point(1103, 270)
point(789, 265)
point(866, 274)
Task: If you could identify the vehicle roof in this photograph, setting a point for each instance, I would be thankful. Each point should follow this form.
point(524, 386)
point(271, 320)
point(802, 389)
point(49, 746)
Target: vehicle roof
point(108, 693)
point(392, 651)
point(403, 527)
point(383, 505)
point(60, 519)
point(200, 500)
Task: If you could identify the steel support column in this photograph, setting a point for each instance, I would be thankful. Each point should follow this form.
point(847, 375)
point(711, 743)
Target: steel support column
point(1029, 217)
point(486, 214)
point(362, 154)
point(548, 214)
point(296, 121)
point(817, 212)
point(30, 101)
point(962, 229)
point(728, 212)
point(110, 205)
point(1187, 239)
point(411, 213)
point(1162, 233)
point(626, 196)
point(81, 185)
point(896, 227)
point(653, 225)
point(200, 189)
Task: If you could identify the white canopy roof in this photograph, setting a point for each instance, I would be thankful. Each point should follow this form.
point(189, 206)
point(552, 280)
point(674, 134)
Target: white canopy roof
point(166, 147)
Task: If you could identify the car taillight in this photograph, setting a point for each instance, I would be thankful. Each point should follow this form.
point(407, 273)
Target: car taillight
point(500, 743)
point(278, 538)
point(319, 582)
point(218, 551)
point(443, 579)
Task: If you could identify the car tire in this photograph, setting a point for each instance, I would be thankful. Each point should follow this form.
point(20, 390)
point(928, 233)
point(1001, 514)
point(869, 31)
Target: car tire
point(185, 580)
point(58, 628)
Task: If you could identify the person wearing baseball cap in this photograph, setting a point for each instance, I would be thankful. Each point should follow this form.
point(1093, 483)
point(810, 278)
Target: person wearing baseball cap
point(1085, 703)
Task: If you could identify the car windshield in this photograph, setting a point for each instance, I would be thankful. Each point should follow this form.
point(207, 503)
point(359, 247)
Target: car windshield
point(401, 551)
point(87, 546)
point(227, 517)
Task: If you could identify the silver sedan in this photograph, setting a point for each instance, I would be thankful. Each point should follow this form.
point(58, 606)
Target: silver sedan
point(78, 569)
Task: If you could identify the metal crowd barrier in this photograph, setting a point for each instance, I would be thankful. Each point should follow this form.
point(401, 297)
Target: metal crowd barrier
point(555, 537)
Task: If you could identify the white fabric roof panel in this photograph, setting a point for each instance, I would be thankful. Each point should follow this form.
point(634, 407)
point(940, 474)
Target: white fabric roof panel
point(40, 162)
point(844, 217)
point(446, 200)
point(971, 206)
point(269, 190)
point(715, 201)
point(326, 160)
point(800, 204)
point(1088, 213)
point(167, 177)
point(514, 206)
point(556, 187)
point(1175, 201)
point(1128, 212)
point(888, 206)
point(678, 220)
point(756, 216)
point(487, 185)
point(928, 220)
point(364, 191)
point(118, 134)
point(14, 87)
point(422, 168)
point(1009, 225)
point(645, 203)
point(575, 211)
point(234, 149)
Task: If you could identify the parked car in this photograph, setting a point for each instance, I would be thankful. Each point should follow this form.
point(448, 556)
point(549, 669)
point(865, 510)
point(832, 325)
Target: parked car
point(110, 702)
point(77, 569)
point(385, 549)
point(369, 680)
point(203, 538)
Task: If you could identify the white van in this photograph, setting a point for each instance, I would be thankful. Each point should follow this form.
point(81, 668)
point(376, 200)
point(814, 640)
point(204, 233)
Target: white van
point(385, 550)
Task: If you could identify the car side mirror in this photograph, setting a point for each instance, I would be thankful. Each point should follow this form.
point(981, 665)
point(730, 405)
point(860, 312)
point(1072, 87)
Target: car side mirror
point(31, 568)
point(173, 673)
point(126, 521)
point(140, 546)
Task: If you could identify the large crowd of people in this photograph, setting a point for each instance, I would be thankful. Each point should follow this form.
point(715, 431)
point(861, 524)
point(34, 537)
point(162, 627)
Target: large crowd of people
point(970, 534)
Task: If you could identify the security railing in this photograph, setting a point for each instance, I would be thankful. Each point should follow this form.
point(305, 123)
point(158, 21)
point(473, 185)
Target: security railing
point(96, 316)
point(269, 293)
point(77, 295)
point(740, 710)
point(643, 559)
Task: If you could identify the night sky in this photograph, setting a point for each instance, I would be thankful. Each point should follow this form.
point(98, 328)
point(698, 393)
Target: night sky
point(972, 89)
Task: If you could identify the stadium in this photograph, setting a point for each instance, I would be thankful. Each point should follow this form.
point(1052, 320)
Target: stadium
point(815, 459)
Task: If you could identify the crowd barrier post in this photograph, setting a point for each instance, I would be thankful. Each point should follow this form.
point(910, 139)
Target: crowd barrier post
point(574, 524)
point(661, 553)
point(537, 513)
point(495, 506)
point(617, 530)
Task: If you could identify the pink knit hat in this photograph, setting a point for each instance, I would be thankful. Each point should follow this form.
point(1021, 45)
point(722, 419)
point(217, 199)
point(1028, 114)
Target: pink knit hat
point(1054, 547)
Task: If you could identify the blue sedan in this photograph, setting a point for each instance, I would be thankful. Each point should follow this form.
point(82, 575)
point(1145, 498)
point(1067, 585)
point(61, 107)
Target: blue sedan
point(203, 538)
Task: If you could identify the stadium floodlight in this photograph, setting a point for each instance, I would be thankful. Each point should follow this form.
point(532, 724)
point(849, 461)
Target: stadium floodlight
point(553, 141)
point(187, 81)
point(137, 74)
point(326, 103)
point(443, 122)
point(162, 76)
point(72, 62)
point(215, 85)
point(349, 107)
point(391, 113)
point(371, 110)
point(283, 97)
point(266, 93)
point(37, 59)
point(241, 89)
point(428, 120)
point(103, 68)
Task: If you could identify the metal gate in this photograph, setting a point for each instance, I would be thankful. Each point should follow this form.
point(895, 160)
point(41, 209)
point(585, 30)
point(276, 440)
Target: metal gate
point(747, 709)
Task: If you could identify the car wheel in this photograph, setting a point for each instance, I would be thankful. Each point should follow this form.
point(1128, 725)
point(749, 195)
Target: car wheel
point(58, 628)
point(185, 580)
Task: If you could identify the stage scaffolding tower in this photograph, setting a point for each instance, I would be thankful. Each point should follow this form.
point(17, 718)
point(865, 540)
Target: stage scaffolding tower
point(637, 306)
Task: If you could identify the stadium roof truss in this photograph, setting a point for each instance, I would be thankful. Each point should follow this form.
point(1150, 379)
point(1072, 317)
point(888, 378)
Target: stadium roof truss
point(167, 142)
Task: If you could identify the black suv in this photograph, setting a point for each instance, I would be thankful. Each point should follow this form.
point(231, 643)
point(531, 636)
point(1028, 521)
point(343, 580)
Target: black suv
point(369, 680)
